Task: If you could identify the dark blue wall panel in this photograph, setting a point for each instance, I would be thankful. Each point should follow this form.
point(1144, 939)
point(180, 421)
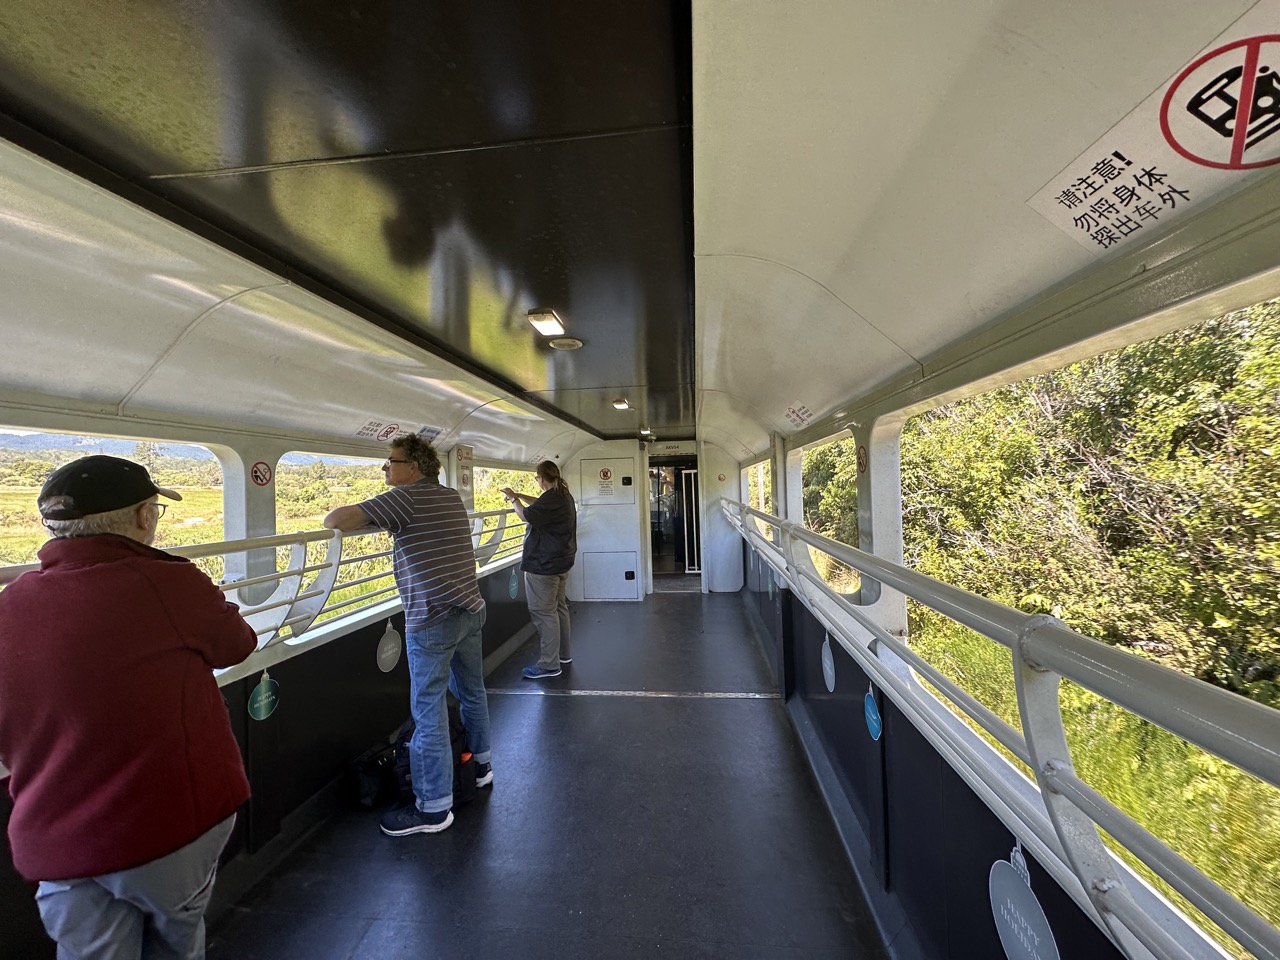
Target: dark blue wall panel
point(838, 717)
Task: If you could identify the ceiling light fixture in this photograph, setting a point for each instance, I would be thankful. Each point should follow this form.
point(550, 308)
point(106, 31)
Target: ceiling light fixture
point(564, 343)
point(621, 404)
point(547, 322)
point(644, 431)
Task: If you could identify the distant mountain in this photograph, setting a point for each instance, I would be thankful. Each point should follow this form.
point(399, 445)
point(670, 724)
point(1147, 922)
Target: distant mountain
point(38, 442)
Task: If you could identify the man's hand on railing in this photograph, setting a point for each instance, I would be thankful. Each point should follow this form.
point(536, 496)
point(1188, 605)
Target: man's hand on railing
point(348, 519)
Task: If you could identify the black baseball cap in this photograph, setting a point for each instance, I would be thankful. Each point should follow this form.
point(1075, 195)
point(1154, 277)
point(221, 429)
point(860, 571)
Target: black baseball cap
point(97, 484)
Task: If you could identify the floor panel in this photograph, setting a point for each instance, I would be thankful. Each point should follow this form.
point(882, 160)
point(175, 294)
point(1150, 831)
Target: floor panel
point(618, 825)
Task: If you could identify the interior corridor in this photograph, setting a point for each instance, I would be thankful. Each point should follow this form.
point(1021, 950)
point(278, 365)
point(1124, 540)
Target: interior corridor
point(653, 800)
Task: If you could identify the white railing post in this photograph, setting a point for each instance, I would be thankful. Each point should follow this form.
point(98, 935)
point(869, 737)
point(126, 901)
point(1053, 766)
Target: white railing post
point(485, 549)
point(1046, 742)
point(306, 607)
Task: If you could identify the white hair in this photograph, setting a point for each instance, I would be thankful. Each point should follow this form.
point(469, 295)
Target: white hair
point(122, 522)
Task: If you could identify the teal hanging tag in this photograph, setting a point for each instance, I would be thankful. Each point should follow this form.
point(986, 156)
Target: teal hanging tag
point(264, 698)
point(389, 649)
point(875, 726)
point(513, 587)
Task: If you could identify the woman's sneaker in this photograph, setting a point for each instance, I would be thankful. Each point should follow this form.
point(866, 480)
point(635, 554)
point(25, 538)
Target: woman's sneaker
point(484, 774)
point(404, 820)
point(536, 672)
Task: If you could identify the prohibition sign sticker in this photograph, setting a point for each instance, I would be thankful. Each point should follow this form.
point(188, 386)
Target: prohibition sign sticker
point(1223, 110)
point(389, 431)
point(862, 459)
point(606, 473)
point(260, 472)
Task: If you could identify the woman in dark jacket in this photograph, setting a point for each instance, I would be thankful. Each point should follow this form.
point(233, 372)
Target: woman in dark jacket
point(549, 548)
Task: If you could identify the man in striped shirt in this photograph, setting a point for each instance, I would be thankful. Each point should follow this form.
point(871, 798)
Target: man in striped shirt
point(435, 569)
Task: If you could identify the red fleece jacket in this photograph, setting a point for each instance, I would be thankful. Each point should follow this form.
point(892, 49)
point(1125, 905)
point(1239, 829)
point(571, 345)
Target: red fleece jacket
point(111, 723)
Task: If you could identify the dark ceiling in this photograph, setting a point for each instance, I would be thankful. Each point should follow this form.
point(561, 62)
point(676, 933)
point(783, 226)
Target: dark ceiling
point(439, 167)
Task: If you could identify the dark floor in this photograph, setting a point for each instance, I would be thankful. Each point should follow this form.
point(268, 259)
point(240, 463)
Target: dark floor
point(677, 583)
point(652, 801)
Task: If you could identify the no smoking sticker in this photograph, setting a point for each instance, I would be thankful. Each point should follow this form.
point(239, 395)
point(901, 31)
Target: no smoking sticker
point(260, 473)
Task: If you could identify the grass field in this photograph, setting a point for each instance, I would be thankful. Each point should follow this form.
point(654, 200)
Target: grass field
point(196, 519)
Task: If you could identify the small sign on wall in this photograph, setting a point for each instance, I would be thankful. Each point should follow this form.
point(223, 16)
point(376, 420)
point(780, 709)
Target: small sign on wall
point(607, 481)
point(673, 448)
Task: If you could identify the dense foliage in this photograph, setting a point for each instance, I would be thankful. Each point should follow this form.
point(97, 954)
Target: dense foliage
point(1135, 495)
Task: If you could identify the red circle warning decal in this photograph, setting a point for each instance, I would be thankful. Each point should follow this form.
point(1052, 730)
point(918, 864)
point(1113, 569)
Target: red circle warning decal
point(606, 473)
point(1223, 110)
point(389, 431)
point(260, 473)
point(862, 459)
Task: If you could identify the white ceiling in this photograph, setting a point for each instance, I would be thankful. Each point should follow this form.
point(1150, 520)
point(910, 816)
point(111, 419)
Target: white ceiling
point(861, 172)
point(116, 312)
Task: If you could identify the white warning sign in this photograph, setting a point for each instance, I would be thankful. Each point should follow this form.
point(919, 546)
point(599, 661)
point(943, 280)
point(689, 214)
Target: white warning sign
point(1211, 126)
point(381, 430)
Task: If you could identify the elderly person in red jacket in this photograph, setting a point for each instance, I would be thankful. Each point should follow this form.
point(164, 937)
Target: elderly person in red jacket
point(124, 773)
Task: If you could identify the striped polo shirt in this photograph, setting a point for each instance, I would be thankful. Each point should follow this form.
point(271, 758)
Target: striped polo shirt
point(434, 564)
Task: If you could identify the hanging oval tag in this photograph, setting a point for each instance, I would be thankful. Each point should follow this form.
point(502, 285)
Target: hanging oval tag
point(875, 726)
point(828, 665)
point(1024, 930)
point(513, 587)
point(264, 698)
point(389, 649)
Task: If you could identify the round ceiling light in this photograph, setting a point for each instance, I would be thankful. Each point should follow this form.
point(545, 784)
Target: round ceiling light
point(565, 343)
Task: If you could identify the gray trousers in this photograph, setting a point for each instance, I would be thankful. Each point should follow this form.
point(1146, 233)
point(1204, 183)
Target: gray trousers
point(549, 611)
point(152, 912)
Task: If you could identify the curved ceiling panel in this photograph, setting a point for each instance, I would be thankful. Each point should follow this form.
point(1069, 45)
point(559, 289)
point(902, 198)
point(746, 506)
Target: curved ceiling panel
point(111, 306)
point(748, 312)
point(285, 358)
point(96, 290)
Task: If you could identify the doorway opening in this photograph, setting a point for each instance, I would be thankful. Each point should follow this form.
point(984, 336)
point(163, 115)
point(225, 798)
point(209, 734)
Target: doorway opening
point(674, 534)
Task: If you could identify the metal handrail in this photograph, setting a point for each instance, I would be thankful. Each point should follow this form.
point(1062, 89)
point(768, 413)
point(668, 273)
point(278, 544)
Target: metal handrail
point(1045, 650)
point(296, 601)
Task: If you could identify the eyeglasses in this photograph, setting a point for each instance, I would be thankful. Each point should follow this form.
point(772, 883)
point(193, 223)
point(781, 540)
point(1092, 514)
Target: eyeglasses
point(389, 461)
point(160, 508)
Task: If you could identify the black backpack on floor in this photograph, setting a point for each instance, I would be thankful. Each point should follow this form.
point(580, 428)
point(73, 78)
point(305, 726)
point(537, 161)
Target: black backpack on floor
point(464, 764)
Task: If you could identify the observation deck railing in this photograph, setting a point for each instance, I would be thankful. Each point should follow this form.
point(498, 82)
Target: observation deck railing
point(1062, 818)
point(308, 601)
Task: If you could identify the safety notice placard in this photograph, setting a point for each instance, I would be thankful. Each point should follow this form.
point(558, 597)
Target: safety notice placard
point(607, 481)
point(1213, 124)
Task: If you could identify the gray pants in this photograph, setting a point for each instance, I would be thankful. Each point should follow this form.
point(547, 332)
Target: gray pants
point(549, 611)
point(153, 912)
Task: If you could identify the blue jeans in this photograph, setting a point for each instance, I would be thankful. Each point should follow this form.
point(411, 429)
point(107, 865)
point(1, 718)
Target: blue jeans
point(445, 653)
